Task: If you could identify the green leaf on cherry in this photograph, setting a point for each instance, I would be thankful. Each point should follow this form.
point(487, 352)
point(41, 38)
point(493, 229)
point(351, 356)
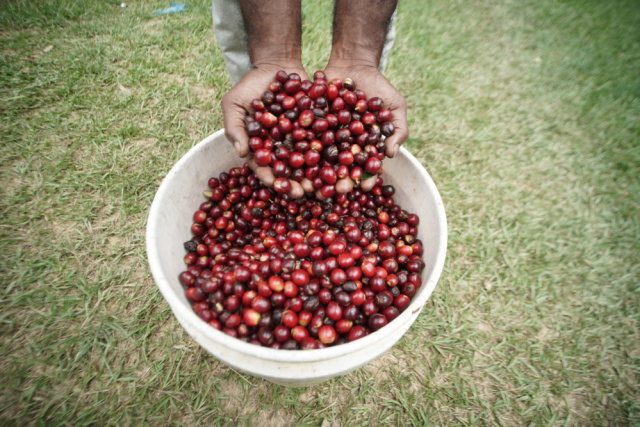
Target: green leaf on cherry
point(367, 175)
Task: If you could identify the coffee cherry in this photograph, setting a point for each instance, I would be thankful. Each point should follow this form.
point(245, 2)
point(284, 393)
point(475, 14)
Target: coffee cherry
point(282, 185)
point(356, 333)
point(262, 157)
point(374, 104)
point(334, 311)
point(373, 165)
point(377, 321)
point(327, 334)
point(186, 278)
point(251, 317)
point(300, 277)
point(384, 115)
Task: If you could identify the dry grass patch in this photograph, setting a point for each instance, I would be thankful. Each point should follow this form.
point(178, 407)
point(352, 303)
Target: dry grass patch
point(205, 93)
point(194, 120)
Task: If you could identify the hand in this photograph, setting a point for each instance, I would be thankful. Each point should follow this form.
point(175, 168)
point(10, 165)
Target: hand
point(236, 105)
point(369, 79)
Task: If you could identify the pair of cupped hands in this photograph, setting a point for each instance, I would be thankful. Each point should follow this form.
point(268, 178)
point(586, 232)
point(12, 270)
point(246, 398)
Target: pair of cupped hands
point(236, 104)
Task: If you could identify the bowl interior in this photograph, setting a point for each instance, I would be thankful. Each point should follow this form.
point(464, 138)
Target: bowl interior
point(180, 194)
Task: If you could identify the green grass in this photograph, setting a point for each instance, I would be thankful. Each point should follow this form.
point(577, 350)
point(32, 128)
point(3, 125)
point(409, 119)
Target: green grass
point(527, 116)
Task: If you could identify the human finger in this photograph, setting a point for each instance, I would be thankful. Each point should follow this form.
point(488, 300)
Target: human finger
point(344, 185)
point(263, 173)
point(307, 185)
point(296, 189)
point(368, 183)
point(234, 127)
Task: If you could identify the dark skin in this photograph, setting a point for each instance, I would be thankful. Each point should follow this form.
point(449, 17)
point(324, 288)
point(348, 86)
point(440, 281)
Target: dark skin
point(358, 39)
point(271, 48)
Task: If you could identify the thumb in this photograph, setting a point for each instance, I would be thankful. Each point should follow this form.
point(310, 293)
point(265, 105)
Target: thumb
point(400, 134)
point(235, 131)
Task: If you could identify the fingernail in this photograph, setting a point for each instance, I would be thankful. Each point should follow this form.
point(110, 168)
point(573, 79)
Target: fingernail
point(238, 148)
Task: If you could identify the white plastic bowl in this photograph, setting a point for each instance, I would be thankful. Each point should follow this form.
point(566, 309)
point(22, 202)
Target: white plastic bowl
point(168, 227)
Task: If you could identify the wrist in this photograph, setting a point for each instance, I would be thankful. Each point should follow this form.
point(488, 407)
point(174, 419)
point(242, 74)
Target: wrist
point(266, 57)
point(274, 32)
point(359, 31)
point(278, 63)
point(349, 67)
point(344, 58)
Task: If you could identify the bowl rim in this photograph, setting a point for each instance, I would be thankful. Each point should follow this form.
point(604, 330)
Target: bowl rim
point(187, 315)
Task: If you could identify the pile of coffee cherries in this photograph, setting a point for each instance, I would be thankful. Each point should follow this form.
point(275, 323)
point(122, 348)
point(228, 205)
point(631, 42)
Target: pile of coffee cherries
point(322, 131)
point(299, 273)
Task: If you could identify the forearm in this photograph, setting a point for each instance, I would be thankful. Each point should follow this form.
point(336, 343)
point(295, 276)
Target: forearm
point(274, 31)
point(359, 28)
